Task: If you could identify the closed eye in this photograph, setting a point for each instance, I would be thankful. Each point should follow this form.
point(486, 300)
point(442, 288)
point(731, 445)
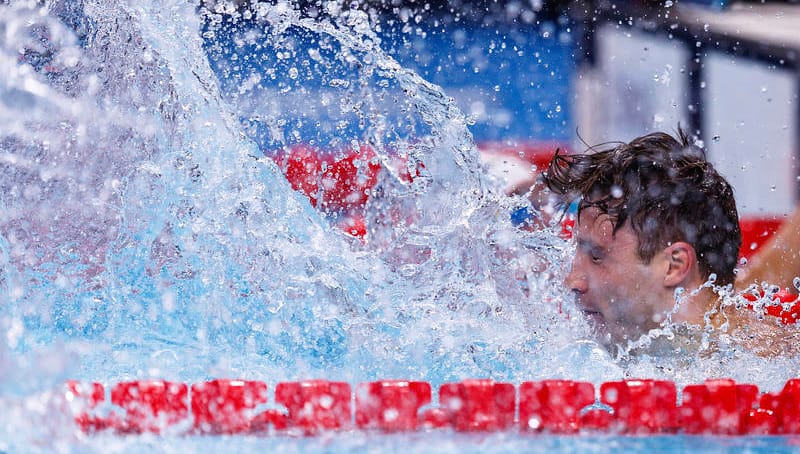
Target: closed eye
point(595, 252)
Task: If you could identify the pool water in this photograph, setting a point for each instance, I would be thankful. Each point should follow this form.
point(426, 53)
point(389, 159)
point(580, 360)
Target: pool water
point(148, 230)
point(448, 442)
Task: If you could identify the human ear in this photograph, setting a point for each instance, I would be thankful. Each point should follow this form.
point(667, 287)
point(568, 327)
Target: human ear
point(681, 260)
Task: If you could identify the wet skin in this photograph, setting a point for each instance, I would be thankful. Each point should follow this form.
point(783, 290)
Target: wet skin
point(624, 296)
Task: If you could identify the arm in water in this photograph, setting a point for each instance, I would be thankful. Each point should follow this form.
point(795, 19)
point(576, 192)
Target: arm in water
point(778, 262)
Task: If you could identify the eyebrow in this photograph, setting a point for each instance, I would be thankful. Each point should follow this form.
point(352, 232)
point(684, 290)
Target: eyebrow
point(587, 244)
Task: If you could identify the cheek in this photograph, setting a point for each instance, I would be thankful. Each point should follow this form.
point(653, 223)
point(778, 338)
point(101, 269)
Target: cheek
point(621, 293)
point(610, 279)
point(618, 306)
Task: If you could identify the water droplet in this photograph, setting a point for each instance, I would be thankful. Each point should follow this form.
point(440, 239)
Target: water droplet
point(326, 401)
point(293, 73)
point(339, 83)
point(390, 414)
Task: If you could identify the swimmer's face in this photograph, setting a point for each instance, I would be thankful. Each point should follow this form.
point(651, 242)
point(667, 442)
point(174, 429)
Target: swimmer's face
point(622, 295)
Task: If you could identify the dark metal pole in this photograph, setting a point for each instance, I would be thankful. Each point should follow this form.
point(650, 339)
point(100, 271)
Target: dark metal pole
point(796, 143)
point(696, 85)
point(586, 15)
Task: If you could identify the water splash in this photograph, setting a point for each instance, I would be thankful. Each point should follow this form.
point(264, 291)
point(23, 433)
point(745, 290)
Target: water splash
point(169, 242)
point(147, 230)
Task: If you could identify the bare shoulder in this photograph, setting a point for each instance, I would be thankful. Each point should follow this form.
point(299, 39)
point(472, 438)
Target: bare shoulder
point(764, 335)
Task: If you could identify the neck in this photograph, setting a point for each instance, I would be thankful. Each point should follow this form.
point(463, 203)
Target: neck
point(694, 307)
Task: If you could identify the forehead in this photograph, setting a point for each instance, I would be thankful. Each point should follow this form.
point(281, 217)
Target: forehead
point(595, 227)
point(593, 223)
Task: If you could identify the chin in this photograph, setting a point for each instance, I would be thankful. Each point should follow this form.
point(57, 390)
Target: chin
point(601, 332)
point(613, 341)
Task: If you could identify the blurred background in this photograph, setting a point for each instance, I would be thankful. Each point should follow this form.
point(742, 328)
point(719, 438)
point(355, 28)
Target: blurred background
point(536, 75)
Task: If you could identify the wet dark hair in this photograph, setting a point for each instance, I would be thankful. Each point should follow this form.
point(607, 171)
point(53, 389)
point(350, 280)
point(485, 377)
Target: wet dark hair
point(665, 188)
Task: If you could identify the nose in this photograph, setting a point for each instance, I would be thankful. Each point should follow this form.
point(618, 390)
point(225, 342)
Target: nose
point(576, 279)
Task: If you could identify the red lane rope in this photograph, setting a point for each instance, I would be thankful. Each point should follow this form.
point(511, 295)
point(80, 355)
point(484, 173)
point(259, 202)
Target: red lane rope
point(641, 407)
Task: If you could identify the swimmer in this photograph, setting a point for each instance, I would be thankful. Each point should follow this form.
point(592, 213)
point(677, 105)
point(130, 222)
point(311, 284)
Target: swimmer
point(654, 219)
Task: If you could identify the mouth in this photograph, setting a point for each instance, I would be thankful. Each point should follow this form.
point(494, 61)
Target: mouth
point(595, 318)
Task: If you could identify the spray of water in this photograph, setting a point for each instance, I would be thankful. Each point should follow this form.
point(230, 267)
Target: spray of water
point(144, 219)
point(147, 229)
